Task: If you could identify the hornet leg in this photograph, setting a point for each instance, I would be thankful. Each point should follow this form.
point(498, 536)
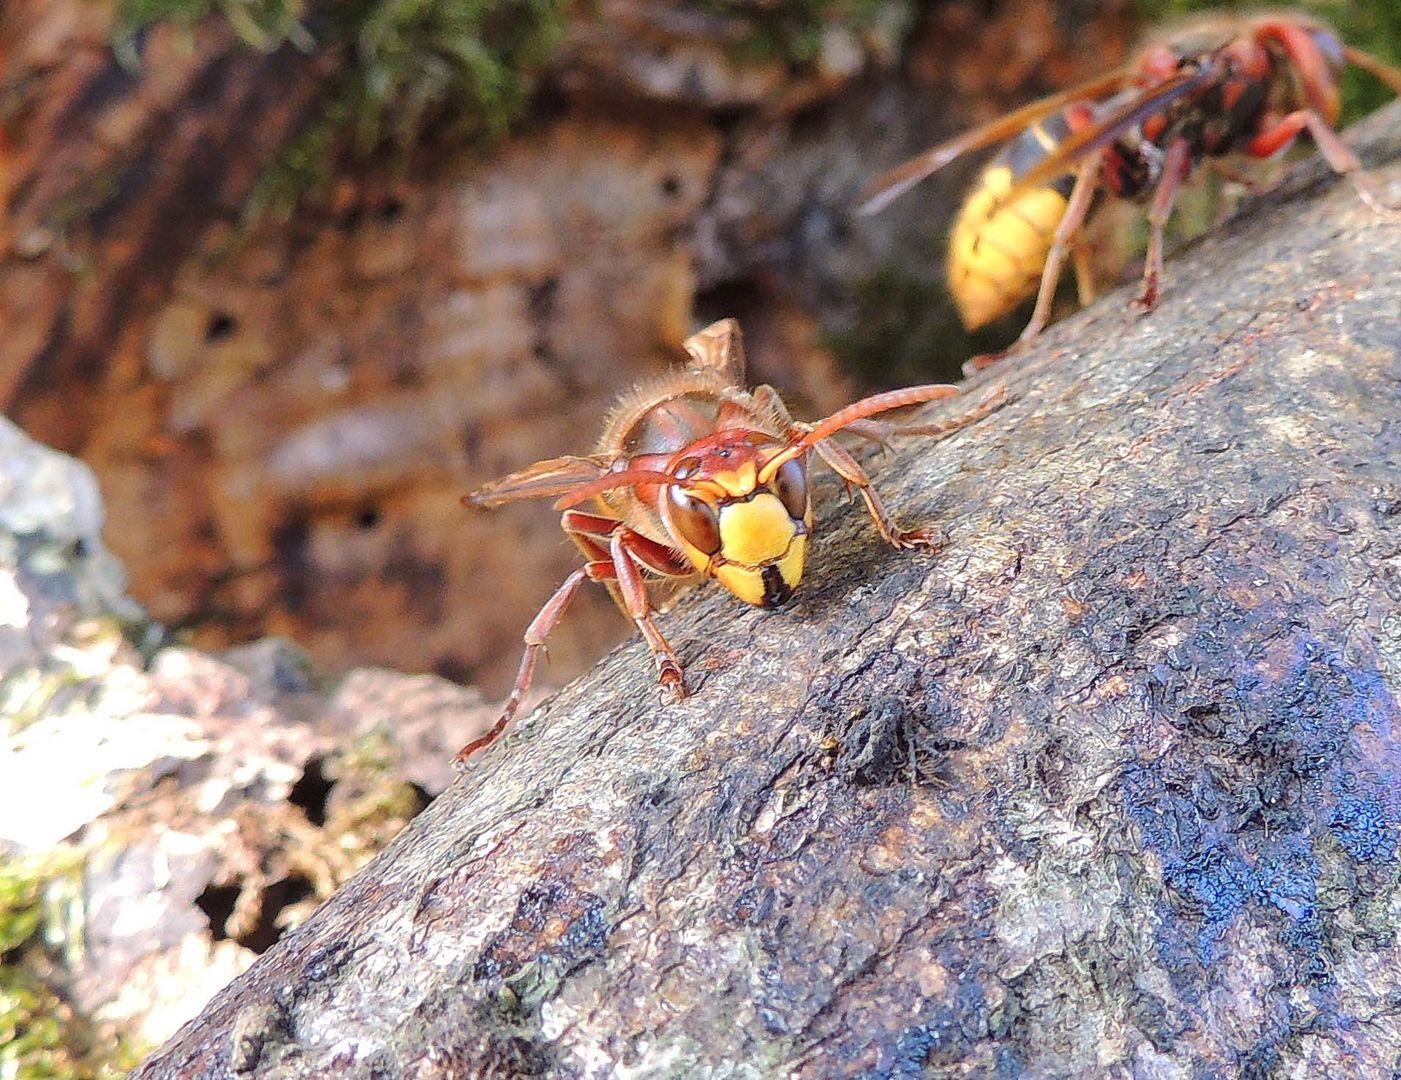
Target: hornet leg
point(849, 469)
point(1175, 166)
point(535, 635)
point(639, 607)
point(1341, 158)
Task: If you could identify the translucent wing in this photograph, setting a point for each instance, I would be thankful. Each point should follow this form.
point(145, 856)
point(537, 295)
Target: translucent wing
point(543, 480)
point(1065, 156)
point(890, 185)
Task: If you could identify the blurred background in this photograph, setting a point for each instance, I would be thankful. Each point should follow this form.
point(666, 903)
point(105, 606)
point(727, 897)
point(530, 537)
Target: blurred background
point(293, 276)
point(290, 277)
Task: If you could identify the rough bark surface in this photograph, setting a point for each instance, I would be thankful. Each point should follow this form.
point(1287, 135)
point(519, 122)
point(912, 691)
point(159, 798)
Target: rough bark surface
point(1109, 786)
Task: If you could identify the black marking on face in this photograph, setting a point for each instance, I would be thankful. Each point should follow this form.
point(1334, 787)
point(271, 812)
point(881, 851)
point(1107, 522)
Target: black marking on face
point(776, 591)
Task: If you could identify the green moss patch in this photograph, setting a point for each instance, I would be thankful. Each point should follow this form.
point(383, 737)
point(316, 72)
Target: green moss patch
point(41, 1038)
point(467, 67)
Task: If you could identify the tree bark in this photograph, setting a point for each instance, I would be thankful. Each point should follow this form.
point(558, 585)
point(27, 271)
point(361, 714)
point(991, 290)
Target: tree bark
point(111, 176)
point(1108, 786)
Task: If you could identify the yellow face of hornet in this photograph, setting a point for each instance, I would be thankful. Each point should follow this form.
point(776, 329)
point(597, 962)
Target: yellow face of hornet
point(741, 521)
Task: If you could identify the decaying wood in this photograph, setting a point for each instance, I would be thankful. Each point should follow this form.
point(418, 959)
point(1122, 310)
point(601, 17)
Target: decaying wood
point(108, 177)
point(282, 418)
point(1109, 786)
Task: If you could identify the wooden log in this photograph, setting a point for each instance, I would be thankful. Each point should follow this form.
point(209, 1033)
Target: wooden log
point(1109, 786)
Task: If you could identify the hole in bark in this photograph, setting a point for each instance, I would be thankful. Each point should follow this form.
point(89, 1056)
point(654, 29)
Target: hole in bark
point(879, 745)
point(541, 302)
point(391, 211)
point(221, 326)
point(290, 541)
point(454, 669)
point(1206, 718)
point(217, 903)
point(368, 518)
point(421, 799)
point(671, 185)
point(277, 897)
point(311, 791)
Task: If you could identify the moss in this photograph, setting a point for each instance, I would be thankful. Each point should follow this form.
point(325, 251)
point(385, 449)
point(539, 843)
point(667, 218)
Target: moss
point(28, 692)
point(1373, 25)
point(264, 24)
point(477, 58)
point(40, 1036)
point(792, 30)
point(369, 804)
point(302, 166)
point(465, 67)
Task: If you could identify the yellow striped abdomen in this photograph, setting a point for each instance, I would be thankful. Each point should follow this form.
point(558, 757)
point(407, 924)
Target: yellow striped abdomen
point(999, 248)
point(999, 245)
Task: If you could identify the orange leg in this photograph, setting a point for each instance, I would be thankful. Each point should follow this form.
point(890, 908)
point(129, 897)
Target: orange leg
point(942, 429)
point(1237, 174)
point(881, 432)
point(581, 523)
point(639, 606)
point(1341, 158)
point(616, 555)
point(1176, 164)
point(873, 431)
point(1277, 136)
point(849, 469)
point(1084, 275)
point(1081, 196)
point(535, 635)
point(840, 461)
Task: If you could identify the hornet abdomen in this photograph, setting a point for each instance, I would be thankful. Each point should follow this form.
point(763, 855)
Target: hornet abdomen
point(998, 248)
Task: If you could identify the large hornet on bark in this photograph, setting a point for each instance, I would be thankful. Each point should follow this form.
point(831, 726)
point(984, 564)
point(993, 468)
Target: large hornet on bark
point(1219, 86)
point(696, 477)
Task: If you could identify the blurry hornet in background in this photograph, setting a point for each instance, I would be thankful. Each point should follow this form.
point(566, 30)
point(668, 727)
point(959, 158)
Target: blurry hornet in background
point(1215, 87)
point(696, 477)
